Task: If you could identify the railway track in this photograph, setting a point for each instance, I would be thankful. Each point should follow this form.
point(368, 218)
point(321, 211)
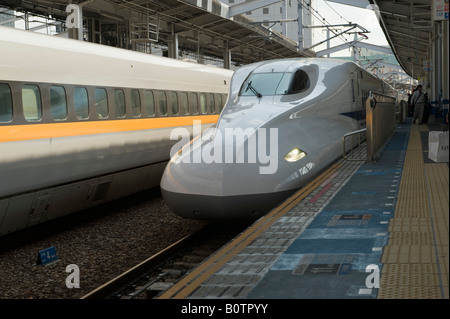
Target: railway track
point(156, 274)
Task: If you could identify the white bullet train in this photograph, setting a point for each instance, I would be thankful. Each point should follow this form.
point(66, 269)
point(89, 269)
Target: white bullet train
point(282, 125)
point(82, 124)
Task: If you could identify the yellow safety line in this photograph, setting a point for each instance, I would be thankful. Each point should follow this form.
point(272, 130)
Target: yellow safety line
point(195, 278)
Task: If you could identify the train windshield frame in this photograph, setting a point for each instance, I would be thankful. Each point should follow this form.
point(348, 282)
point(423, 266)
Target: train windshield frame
point(275, 83)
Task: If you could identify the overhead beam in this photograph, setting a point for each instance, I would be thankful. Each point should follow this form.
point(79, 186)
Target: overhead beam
point(194, 25)
point(249, 6)
point(356, 44)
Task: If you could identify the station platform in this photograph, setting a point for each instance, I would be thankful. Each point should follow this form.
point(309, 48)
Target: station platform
point(358, 231)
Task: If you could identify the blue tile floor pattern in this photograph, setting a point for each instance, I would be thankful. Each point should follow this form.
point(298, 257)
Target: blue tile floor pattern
point(329, 259)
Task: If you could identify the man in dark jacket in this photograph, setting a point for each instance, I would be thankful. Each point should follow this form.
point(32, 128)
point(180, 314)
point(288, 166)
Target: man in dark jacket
point(418, 101)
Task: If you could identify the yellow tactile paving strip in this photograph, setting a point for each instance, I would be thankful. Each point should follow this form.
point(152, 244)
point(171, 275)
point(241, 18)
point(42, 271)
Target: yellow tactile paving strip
point(437, 181)
point(416, 261)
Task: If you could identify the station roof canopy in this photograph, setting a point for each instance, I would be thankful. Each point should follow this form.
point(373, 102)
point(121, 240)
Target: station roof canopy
point(202, 26)
point(408, 26)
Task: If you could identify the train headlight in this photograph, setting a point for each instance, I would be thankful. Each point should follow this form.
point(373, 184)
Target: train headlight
point(295, 155)
point(177, 156)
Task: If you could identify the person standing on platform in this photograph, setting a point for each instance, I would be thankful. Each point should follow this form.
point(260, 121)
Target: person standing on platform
point(418, 102)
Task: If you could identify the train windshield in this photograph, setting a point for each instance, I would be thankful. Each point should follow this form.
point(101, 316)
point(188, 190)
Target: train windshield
point(275, 83)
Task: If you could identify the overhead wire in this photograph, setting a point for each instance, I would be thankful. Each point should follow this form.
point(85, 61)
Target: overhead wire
point(316, 14)
point(336, 12)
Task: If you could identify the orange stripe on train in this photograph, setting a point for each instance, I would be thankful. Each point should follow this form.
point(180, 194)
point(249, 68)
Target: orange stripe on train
point(10, 133)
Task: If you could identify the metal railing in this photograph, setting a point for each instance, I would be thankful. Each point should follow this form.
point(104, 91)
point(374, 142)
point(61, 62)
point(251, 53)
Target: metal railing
point(352, 146)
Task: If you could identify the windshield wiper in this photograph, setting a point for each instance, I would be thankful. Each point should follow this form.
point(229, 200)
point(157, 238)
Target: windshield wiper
point(249, 86)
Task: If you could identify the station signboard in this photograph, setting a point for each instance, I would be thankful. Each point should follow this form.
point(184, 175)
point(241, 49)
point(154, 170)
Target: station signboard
point(440, 10)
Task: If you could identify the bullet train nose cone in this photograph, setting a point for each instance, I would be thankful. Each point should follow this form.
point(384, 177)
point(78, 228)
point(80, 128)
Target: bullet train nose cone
point(216, 191)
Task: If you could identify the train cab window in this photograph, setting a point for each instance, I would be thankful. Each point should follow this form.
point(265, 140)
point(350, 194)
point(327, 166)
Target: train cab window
point(162, 102)
point(31, 102)
point(275, 83)
point(6, 106)
point(262, 84)
point(203, 109)
point(174, 103)
point(119, 99)
point(194, 102)
point(81, 103)
point(149, 103)
point(135, 103)
point(283, 85)
point(101, 103)
point(58, 104)
point(184, 103)
point(211, 103)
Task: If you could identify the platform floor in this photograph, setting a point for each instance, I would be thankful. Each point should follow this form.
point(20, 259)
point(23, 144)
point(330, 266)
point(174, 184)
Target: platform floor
point(359, 230)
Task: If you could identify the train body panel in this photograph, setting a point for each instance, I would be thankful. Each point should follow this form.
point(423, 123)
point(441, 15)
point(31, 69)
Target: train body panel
point(51, 161)
point(276, 110)
point(82, 124)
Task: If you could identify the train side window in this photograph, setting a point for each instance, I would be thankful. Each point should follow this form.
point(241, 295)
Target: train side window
point(135, 103)
point(101, 103)
point(184, 103)
point(194, 103)
point(6, 106)
point(58, 103)
point(174, 102)
point(162, 101)
point(149, 103)
point(203, 109)
point(211, 103)
point(81, 103)
point(31, 102)
point(219, 102)
point(119, 99)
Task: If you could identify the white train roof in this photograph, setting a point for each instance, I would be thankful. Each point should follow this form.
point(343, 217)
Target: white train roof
point(32, 57)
